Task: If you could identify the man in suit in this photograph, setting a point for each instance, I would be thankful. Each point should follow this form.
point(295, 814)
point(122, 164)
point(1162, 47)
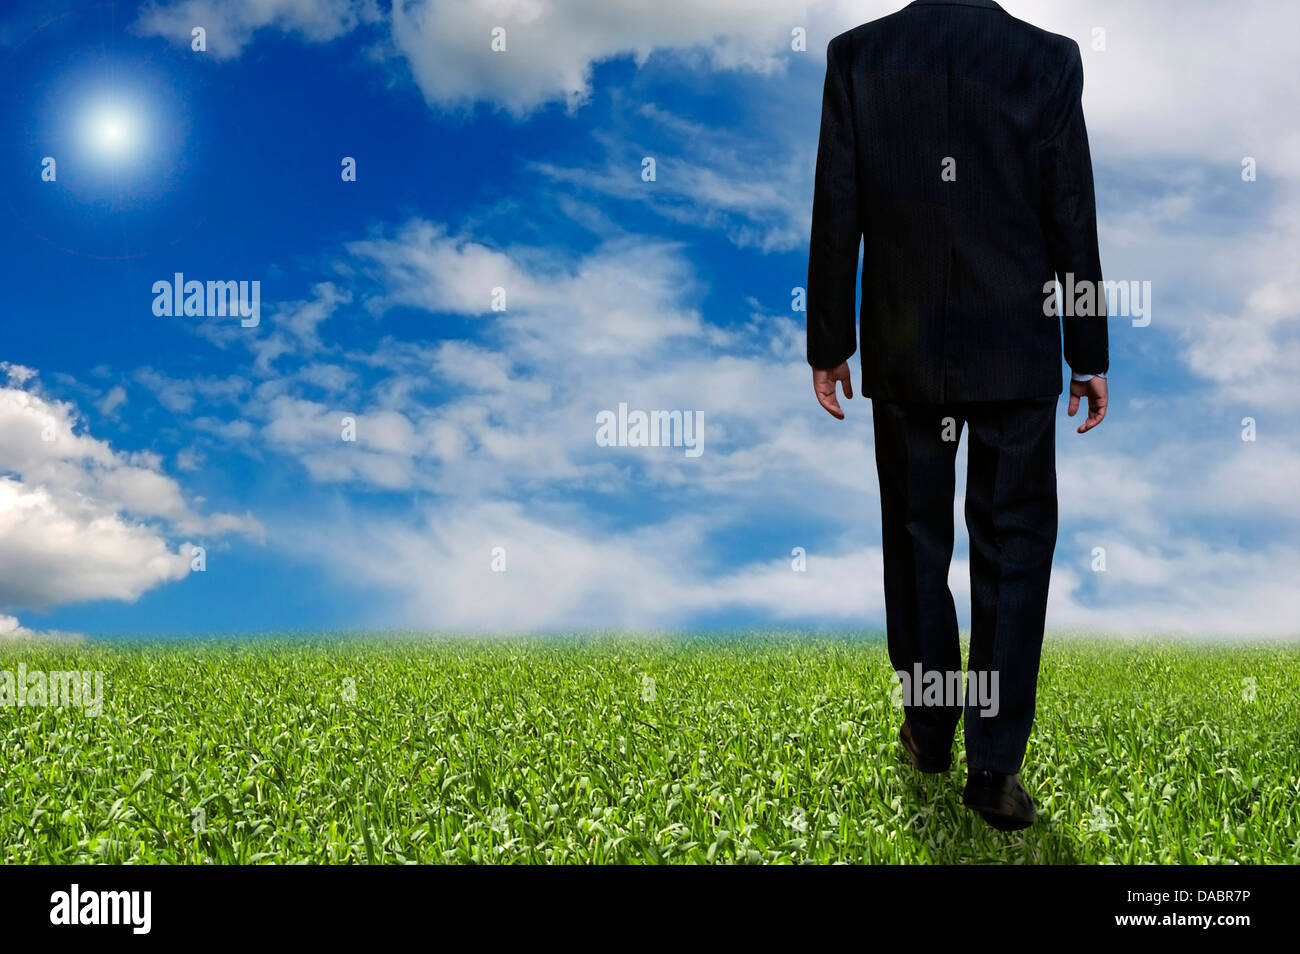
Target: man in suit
point(953, 150)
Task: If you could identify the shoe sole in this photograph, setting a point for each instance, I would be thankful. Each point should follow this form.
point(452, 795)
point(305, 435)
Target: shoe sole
point(1006, 822)
point(989, 806)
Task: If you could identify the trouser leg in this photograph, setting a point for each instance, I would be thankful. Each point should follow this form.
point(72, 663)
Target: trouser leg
point(1011, 514)
point(916, 449)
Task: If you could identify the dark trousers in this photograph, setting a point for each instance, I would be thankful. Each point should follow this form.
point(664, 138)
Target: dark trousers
point(1011, 517)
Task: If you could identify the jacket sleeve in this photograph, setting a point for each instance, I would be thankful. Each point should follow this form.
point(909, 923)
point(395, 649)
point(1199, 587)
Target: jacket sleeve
point(1070, 218)
point(836, 229)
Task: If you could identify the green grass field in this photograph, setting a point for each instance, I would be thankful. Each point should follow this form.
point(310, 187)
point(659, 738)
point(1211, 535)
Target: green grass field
point(749, 749)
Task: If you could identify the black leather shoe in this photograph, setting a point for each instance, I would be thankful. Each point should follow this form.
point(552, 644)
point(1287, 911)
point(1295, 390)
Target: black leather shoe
point(930, 764)
point(1000, 799)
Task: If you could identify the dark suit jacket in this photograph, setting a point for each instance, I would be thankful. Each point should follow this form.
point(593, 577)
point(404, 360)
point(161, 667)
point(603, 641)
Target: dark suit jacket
point(953, 271)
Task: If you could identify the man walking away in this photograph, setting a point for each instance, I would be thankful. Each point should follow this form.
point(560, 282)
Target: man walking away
point(953, 150)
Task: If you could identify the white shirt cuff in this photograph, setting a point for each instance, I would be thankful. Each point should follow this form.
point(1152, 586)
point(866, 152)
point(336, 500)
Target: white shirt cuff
point(1085, 377)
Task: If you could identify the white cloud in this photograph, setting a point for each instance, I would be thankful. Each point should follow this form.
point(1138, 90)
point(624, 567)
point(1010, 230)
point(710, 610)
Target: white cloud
point(80, 521)
point(112, 401)
point(1181, 585)
point(231, 24)
point(189, 459)
point(1252, 354)
point(438, 565)
point(1166, 86)
point(423, 267)
point(752, 185)
point(17, 374)
point(552, 45)
point(58, 549)
point(182, 395)
point(10, 628)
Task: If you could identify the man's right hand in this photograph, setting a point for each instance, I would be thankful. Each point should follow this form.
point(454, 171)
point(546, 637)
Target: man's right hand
point(1094, 390)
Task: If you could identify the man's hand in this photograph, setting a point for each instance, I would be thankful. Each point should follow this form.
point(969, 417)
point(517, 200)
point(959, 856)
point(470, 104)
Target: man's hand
point(1094, 389)
point(824, 385)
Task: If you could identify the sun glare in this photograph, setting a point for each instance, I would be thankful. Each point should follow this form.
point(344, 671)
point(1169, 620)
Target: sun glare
point(113, 130)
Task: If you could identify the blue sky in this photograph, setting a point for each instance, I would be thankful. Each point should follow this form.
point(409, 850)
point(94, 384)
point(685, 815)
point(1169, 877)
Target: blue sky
point(521, 170)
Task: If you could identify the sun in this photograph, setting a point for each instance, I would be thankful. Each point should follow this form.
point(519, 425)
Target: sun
point(113, 129)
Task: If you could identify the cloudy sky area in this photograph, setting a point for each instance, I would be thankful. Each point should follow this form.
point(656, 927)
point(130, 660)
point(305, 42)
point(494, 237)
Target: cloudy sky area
point(126, 438)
